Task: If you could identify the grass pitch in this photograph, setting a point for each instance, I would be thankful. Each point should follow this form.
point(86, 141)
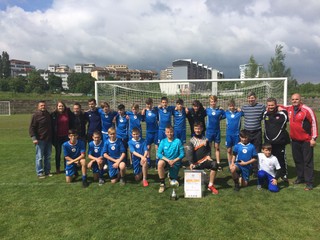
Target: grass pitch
point(51, 209)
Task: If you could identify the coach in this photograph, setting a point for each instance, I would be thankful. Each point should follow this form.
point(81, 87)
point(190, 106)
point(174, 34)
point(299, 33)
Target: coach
point(303, 132)
point(275, 133)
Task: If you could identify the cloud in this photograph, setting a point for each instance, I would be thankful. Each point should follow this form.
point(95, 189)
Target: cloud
point(150, 34)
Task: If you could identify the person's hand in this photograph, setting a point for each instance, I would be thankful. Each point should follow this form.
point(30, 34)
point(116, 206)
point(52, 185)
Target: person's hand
point(143, 160)
point(35, 142)
point(191, 166)
point(274, 181)
point(313, 143)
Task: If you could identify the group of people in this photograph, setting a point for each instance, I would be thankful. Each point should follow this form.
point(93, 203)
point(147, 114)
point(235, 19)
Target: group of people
point(114, 140)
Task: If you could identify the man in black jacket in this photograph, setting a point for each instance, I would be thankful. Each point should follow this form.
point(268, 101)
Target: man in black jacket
point(41, 133)
point(275, 133)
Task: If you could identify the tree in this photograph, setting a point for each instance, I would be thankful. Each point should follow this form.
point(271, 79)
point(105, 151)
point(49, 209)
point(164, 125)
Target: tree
point(18, 84)
point(5, 65)
point(55, 83)
point(4, 84)
point(277, 68)
point(81, 83)
point(252, 71)
point(36, 83)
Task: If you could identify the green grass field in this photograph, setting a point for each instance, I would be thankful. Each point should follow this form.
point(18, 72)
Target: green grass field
point(51, 209)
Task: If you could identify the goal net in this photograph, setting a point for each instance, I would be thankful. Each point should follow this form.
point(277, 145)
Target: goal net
point(5, 108)
point(129, 92)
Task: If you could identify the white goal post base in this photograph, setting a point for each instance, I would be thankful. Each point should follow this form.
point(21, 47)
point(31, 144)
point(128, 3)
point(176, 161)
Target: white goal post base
point(5, 108)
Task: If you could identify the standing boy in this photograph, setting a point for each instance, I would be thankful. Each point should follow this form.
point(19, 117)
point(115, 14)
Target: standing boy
point(179, 120)
point(122, 125)
point(74, 154)
point(115, 153)
point(150, 114)
point(96, 157)
point(269, 169)
point(107, 116)
point(244, 154)
point(215, 115)
point(170, 154)
point(93, 118)
point(139, 150)
point(199, 152)
point(233, 124)
point(165, 112)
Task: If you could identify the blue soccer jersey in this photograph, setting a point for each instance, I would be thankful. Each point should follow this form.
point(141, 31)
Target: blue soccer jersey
point(106, 119)
point(233, 122)
point(94, 121)
point(114, 148)
point(213, 121)
point(74, 151)
point(134, 121)
point(138, 146)
point(165, 116)
point(245, 152)
point(122, 124)
point(151, 119)
point(95, 150)
point(179, 119)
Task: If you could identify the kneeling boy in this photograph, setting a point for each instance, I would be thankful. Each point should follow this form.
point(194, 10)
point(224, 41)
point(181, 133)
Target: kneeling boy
point(139, 150)
point(95, 155)
point(170, 154)
point(244, 154)
point(115, 153)
point(74, 153)
point(268, 168)
point(199, 155)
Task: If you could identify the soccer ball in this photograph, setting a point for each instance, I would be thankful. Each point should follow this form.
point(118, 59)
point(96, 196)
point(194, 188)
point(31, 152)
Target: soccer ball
point(174, 183)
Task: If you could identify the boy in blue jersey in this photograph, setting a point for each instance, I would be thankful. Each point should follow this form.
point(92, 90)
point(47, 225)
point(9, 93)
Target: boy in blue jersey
point(107, 119)
point(164, 112)
point(115, 153)
point(96, 157)
point(74, 154)
point(233, 124)
point(92, 116)
point(244, 154)
point(170, 153)
point(179, 119)
point(214, 116)
point(135, 119)
point(150, 115)
point(139, 150)
point(122, 124)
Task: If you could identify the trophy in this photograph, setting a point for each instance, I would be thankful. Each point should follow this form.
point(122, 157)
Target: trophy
point(174, 184)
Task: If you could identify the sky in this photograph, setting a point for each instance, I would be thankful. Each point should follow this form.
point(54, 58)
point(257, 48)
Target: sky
point(151, 34)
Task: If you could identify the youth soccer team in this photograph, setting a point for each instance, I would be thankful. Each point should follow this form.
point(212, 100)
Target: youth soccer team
point(115, 143)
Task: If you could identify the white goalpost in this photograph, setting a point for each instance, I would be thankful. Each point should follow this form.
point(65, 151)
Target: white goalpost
point(129, 92)
point(5, 109)
point(136, 92)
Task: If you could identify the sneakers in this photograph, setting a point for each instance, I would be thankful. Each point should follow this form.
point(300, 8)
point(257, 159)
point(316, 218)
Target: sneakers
point(259, 187)
point(41, 176)
point(101, 181)
point(85, 183)
point(213, 190)
point(122, 182)
point(236, 188)
point(308, 187)
point(285, 179)
point(105, 167)
point(49, 174)
point(162, 188)
point(145, 183)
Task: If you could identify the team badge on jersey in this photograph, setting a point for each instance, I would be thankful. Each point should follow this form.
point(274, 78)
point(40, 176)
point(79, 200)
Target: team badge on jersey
point(137, 145)
point(113, 147)
point(164, 110)
point(244, 150)
point(149, 114)
point(73, 149)
point(135, 117)
point(232, 115)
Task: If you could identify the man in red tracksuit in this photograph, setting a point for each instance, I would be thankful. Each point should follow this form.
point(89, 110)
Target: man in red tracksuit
point(303, 132)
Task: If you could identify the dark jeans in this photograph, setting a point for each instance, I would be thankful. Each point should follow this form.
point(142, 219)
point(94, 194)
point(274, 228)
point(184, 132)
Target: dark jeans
point(58, 150)
point(302, 154)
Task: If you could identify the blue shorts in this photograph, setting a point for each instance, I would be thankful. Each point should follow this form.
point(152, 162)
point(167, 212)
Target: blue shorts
point(232, 140)
point(264, 176)
point(151, 137)
point(180, 134)
point(213, 136)
point(244, 172)
point(113, 172)
point(71, 169)
point(137, 168)
point(95, 168)
point(161, 135)
point(173, 171)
